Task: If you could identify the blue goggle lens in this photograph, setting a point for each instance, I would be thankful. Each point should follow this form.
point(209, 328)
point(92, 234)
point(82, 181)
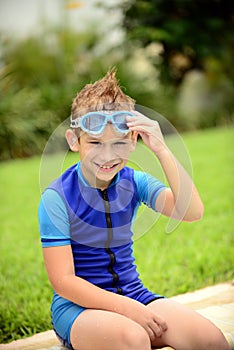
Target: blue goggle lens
point(95, 122)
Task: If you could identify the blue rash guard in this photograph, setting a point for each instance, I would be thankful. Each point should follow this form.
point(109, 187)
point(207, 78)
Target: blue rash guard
point(98, 226)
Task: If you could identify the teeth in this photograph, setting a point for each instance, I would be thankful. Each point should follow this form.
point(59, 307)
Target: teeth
point(106, 166)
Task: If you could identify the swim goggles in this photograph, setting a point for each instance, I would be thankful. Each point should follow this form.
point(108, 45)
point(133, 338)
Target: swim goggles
point(95, 122)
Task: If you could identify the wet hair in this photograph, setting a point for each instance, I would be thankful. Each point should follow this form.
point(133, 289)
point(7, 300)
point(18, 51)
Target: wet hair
point(104, 94)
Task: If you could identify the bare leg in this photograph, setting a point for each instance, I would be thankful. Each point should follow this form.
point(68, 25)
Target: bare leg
point(103, 330)
point(187, 330)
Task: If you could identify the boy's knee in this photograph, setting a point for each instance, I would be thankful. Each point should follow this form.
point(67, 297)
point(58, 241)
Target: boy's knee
point(135, 338)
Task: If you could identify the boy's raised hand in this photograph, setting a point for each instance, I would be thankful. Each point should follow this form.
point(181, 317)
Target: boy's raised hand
point(149, 130)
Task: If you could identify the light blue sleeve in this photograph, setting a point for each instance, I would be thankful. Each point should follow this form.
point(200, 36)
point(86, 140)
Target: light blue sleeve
point(148, 188)
point(53, 220)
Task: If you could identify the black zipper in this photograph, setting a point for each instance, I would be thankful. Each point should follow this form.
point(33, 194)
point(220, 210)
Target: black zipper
point(108, 242)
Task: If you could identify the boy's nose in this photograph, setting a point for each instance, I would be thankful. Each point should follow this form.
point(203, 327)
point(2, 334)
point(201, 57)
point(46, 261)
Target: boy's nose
point(107, 152)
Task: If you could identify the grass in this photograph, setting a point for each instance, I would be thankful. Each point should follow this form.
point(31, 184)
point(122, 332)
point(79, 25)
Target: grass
point(192, 256)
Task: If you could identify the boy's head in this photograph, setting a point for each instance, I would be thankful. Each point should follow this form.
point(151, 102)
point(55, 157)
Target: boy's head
point(105, 141)
point(104, 94)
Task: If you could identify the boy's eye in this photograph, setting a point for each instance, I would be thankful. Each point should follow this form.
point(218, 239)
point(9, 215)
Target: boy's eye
point(121, 143)
point(95, 142)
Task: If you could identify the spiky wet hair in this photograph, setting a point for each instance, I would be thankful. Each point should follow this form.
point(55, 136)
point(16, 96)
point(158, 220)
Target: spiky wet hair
point(104, 94)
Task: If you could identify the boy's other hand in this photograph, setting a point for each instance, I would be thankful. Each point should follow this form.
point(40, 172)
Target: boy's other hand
point(153, 324)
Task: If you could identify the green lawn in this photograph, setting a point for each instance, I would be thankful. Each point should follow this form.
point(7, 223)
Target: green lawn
point(192, 256)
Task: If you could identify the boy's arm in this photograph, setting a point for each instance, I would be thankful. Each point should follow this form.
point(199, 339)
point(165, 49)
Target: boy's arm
point(60, 269)
point(181, 201)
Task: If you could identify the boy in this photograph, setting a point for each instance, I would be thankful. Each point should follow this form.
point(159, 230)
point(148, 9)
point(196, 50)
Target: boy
point(85, 222)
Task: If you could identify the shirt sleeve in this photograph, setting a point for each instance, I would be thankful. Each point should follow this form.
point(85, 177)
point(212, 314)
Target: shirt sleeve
point(53, 220)
point(148, 188)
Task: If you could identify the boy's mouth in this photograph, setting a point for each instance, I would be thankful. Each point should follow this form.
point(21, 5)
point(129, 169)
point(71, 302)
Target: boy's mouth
point(107, 167)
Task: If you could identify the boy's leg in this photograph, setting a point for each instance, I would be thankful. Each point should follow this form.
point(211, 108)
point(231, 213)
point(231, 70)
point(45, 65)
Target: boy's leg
point(187, 330)
point(103, 330)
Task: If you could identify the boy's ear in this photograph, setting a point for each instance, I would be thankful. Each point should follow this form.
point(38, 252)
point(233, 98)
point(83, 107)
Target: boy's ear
point(134, 140)
point(72, 140)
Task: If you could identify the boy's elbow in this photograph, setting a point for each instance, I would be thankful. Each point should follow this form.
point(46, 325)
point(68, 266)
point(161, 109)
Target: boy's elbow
point(197, 217)
point(197, 214)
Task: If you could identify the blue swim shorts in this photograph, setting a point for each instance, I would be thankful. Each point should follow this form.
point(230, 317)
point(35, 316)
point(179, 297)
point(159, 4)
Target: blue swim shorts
point(64, 313)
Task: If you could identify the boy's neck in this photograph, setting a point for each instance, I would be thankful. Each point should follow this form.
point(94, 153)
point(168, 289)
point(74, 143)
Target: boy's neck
point(94, 182)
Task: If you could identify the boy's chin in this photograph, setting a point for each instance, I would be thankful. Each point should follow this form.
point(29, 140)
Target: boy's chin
point(103, 180)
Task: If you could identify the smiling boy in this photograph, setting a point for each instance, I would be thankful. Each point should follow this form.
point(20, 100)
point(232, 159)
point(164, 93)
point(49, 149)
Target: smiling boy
point(86, 217)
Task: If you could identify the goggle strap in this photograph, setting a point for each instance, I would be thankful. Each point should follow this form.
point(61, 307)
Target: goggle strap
point(74, 123)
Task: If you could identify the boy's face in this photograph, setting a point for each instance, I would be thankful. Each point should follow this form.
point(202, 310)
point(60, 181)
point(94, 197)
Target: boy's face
point(103, 156)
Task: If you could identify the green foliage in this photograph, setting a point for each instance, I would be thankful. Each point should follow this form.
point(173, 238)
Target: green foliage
point(193, 256)
point(190, 31)
point(39, 79)
point(25, 124)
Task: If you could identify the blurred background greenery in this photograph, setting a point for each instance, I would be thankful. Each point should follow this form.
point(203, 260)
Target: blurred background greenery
point(175, 57)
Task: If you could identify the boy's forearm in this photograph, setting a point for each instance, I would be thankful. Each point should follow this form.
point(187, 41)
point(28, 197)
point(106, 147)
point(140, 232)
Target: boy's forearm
point(188, 205)
point(86, 294)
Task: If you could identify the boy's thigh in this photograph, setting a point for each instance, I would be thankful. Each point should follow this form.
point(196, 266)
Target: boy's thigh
point(186, 328)
point(104, 330)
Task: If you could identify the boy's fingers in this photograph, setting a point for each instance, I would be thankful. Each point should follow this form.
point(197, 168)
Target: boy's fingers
point(151, 334)
point(137, 117)
point(157, 330)
point(161, 323)
point(147, 123)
